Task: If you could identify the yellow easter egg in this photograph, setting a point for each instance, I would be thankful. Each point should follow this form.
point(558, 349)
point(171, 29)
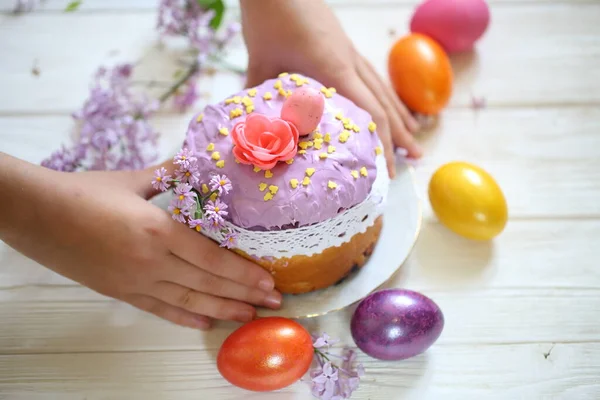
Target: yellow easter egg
point(467, 200)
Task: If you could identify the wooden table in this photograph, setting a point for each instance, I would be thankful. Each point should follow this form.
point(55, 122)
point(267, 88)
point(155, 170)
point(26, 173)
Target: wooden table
point(522, 312)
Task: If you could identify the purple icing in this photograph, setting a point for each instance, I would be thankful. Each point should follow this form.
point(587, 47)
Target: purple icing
point(304, 205)
point(396, 324)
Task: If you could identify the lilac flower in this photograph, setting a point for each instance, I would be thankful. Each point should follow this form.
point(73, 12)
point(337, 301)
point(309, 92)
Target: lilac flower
point(189, 19)
point(220, 183)
point(324, 380)
point(478, 103)
point(324, 341)
point(215, 210)
point(187, 96)
point(24, 6)
point(230, 240)
point(114, 132)
point(188, 175)
point(330, 381)
point(161, 180)
point(184, 158)
point(179, 210)
point(66, 160)
point(232, 30)
point(197, 224)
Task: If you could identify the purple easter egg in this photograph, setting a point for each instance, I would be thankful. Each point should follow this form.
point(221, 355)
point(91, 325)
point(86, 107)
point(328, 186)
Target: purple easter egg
point(395, 324)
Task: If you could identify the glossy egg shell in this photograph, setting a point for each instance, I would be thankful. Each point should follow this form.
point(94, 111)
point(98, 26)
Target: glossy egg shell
point(304, 108)
point(266, 354)
point(395, 324)
point(421, 73)
point(455, 24)
point(467, 200)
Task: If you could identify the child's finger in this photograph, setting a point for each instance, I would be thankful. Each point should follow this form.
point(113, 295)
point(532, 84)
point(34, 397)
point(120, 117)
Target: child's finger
point(400, 135)
point(187, 275)
point(202, 252)
point(203, 304)
point(166, 311)
point(407, 118)
point(351, 86)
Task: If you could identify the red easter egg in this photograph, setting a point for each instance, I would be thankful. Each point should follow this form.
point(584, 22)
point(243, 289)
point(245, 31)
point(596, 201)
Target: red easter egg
point(266, 354)
point(304, 108)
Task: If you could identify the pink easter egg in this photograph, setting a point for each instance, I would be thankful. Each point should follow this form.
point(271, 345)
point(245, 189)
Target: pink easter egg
point(304, 108)
point(454, 24)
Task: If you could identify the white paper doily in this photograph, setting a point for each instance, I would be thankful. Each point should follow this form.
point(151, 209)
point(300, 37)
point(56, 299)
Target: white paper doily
point(314, 239)
point(401, 226)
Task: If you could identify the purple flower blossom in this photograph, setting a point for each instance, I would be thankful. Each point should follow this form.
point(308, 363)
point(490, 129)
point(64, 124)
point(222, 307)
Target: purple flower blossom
point(215, 210)
point(188, 19)
point(114, 132)
point(324, 380)
point(161, 180)
point(232, 30)
point(478, 103)
point(188, 175)
point(186, 196)
point(230, 240)
point(187, 96)
point(185, 158)
point(184, 190)
point(324, 341)
point(24, 6)
point(332, 382)
point(220, 183)
point(212, 225)
point(197, 224)
point(179, 210)
point(66, 160)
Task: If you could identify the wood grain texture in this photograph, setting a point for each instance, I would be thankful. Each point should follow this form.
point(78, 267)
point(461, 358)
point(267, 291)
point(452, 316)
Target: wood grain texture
point(532, 65)
point(569, 372)
point(88, 323)
point(544, 159)
point(521, 311)
point(150, 6)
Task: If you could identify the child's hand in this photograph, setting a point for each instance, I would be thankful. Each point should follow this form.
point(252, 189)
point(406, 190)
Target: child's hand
point(97, 229)
point(305, 37)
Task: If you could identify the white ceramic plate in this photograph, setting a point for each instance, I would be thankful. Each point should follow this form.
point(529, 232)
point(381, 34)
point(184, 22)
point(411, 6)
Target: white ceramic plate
point(401, 226)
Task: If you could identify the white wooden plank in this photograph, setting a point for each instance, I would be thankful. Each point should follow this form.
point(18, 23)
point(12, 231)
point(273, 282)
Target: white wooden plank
point(546, 160)
point(444, 372)
point(529, 254)
point(88, 322)
point(505, 69)
point(145, 5)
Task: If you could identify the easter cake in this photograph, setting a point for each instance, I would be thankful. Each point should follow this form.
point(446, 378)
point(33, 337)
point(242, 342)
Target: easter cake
point(308, 178)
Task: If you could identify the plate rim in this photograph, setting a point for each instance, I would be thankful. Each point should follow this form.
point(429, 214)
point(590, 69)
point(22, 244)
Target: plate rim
point(411, 171)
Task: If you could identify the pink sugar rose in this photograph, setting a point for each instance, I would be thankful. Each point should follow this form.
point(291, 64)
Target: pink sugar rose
point(264, 141)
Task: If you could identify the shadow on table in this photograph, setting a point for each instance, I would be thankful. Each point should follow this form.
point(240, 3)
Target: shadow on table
point(446, 257)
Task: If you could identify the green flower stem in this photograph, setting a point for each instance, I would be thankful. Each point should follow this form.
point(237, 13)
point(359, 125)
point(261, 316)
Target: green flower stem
point(227, 66)
point(199, 210)
point(180, 82)
point(320, 353)
point(193, 69)
point(207, 197)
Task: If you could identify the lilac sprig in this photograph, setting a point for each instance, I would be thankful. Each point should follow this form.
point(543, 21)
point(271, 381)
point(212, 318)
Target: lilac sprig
point(114, 128)
point(331, 381)
point(189, 206)
point(195, 23)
